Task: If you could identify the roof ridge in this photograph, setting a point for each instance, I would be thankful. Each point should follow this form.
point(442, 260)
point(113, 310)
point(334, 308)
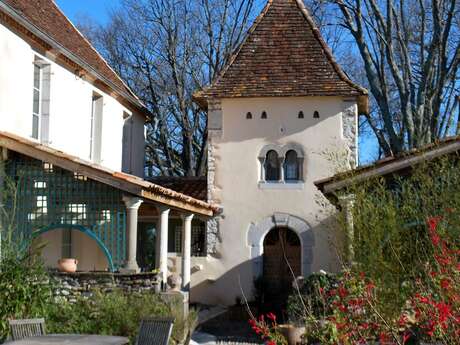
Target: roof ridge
point(44, 22)
point(302, 33)
point(240, 46)
point(326, 48)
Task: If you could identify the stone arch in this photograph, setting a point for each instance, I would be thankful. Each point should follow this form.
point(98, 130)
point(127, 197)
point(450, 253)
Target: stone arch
point(82, 229)
point(292, 147)
point(258, 231)
point(270, 147)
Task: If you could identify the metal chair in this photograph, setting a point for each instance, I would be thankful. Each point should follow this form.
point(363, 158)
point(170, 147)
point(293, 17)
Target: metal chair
point(155, 331)
point(21, 329)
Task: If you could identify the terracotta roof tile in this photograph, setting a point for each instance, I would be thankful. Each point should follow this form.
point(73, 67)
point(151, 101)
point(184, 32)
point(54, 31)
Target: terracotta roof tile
point(122, 181)
point(282, 55)
point(51, 21)
point(196, 187)
point(393, 164)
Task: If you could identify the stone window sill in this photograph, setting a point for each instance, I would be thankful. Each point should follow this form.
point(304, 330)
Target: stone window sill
point(299, 185)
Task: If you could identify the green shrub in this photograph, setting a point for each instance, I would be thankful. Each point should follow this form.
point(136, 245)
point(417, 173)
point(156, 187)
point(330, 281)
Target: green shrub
point(112, 313)
point(26, 291)
point(309, 297)
point(25, 288)
point(391, 240)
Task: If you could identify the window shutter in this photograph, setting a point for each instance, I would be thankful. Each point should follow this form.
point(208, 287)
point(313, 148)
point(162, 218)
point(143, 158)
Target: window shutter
point(45, 106)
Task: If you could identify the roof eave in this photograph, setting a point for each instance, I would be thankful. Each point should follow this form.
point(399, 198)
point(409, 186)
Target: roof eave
point(332, 185)
point(201, 97)
point(124, 182)
point(130, 97)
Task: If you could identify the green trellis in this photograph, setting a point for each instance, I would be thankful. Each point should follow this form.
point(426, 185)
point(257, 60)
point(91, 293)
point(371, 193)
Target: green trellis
point(49, 198)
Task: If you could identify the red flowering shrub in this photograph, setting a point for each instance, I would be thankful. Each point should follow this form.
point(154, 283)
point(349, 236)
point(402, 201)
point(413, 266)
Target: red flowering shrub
point(267, 328)
point(435, 304)
point(431, 314)
point(355, 317)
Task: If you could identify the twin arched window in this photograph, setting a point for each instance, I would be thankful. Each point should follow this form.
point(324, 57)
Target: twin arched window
point(281, 165)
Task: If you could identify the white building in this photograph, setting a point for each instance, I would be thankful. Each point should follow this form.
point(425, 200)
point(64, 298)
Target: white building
point(72, 140)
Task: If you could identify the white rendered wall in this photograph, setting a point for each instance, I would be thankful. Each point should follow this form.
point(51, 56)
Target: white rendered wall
point(245, 204)
point(90, 257)
point(70, 107)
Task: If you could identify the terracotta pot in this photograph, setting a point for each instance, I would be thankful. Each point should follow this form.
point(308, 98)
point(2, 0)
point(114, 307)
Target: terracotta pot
point(67, 265)
point(292, 333)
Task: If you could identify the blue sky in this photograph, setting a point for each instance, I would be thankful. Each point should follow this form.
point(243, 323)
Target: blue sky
point(99, 11)
point(96, 9)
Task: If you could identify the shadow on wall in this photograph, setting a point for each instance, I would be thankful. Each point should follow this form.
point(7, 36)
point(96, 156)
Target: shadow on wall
point(282, 117)
point(64, 243)
point(237, 283)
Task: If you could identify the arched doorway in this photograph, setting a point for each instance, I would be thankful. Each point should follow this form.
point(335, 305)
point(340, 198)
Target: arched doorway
point(281, 265)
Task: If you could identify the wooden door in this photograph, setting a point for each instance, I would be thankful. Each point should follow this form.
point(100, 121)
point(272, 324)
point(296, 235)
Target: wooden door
point(282, 262)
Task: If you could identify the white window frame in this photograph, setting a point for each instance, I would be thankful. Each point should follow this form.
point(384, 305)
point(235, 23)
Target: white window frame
point(41, 133)
point(39, 89)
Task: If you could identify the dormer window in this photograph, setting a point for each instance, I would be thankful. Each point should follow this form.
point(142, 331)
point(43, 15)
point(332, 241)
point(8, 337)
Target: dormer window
point(272, 166)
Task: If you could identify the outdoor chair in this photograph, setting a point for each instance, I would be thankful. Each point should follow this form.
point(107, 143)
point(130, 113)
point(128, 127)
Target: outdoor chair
point(21, 329)
point(155, 331)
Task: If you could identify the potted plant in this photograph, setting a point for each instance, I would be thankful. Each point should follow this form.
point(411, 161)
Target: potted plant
point(67, 265)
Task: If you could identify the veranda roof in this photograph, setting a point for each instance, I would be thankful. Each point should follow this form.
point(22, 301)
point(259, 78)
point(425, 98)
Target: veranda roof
point(397, 164)
point(127, 183)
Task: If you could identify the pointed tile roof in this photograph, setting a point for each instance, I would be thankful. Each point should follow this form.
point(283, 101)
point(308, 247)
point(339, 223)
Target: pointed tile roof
point(282, 55)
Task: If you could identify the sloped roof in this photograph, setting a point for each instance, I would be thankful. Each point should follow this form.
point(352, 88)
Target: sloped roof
point(282, 55)
point(46, 17)
point(397, 164)
point(196, 187)
point(128, 183)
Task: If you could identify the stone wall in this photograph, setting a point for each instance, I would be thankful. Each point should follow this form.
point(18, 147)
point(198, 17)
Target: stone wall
point(73, 285)
point(350, 130)
point(215, 127)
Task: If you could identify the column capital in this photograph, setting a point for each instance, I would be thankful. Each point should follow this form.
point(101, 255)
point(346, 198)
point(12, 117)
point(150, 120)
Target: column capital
point(162, 208)
point(347, 199)
point(132, 202)
point(187, 216)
